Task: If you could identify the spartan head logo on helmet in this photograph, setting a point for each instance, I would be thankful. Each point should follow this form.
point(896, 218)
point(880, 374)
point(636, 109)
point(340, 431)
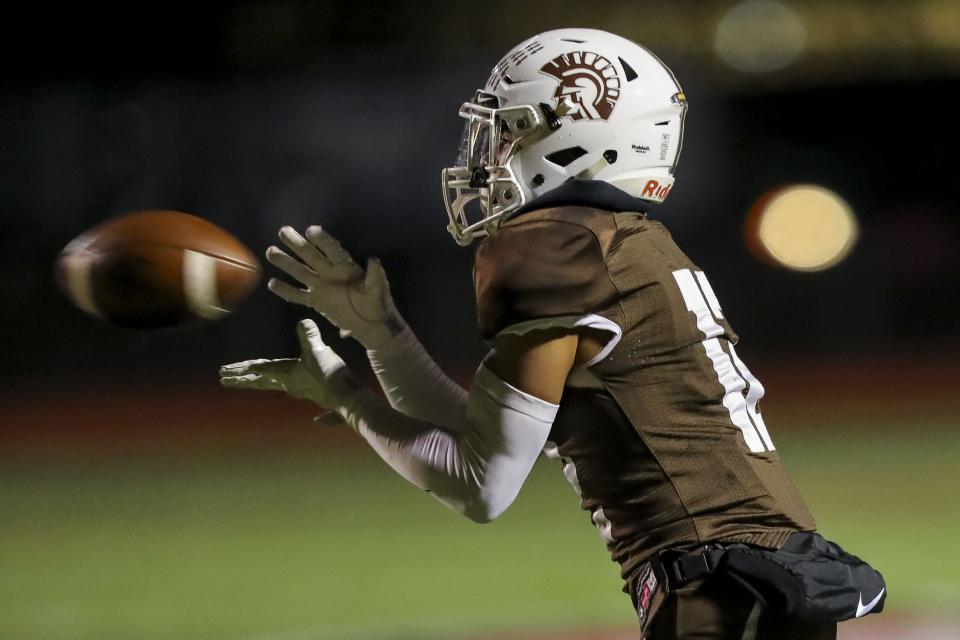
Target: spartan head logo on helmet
point(589, 82)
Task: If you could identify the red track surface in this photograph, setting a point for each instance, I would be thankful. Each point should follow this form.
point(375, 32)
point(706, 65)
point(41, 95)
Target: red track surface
point(91, 418)
point(878, 627)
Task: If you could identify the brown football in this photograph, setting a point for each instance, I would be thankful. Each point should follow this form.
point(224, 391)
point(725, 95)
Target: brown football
point(152, 269)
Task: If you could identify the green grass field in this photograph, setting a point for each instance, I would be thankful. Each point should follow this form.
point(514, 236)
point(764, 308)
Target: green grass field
point(290, 546)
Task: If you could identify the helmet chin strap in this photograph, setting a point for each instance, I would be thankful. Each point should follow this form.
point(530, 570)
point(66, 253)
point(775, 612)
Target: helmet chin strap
point(607, 159)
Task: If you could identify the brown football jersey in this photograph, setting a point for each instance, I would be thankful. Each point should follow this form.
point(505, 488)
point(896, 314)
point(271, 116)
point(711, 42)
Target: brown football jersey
point(668, 449)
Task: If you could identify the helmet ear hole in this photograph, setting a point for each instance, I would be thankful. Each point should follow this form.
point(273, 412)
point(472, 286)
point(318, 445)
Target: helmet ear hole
point(563, 157)
point(610, 155)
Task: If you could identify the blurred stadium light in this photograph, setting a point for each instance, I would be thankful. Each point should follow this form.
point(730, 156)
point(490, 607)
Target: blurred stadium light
point(802, 227)
point(760, 36)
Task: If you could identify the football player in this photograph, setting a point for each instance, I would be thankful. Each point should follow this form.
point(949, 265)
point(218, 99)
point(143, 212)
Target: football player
point(610, 351)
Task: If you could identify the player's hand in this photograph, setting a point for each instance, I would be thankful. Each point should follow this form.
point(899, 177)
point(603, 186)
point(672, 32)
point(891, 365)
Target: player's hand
point(358, 302)
point(318, 375)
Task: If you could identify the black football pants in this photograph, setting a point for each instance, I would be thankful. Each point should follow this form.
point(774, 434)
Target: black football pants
point(719, 609)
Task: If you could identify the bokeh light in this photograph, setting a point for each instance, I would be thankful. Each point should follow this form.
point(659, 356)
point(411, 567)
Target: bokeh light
point(802, 227)
point(760, 36)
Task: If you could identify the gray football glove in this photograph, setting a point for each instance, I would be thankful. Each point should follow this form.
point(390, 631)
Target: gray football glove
point(318, 375)
point(357, 302)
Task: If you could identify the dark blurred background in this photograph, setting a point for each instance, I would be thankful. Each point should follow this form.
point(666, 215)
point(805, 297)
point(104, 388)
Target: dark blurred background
point(259, 114)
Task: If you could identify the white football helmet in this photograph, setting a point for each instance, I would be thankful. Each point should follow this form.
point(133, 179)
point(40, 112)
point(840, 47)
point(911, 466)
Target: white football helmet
point(567, 104)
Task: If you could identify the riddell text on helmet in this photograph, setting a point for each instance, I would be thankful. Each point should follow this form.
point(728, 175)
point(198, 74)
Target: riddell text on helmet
point(654, 190)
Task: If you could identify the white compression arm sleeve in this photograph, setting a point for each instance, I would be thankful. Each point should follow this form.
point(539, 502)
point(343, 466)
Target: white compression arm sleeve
point(476, 470)
point(414, 384)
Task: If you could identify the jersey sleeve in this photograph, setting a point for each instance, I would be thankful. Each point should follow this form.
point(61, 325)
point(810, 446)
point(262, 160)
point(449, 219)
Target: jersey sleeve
point(539, 270)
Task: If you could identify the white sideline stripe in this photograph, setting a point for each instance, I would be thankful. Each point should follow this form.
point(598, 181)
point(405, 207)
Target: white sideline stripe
point(78, 267)
point(200, 285)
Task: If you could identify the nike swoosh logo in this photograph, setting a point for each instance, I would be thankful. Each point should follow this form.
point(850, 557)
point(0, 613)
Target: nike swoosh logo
point(864, 610)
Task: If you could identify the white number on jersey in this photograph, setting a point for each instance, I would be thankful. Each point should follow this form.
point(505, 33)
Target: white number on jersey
point(742, 390)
